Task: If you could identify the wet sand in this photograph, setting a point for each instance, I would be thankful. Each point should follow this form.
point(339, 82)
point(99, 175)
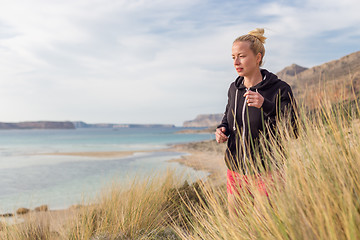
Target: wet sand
point(206, 156)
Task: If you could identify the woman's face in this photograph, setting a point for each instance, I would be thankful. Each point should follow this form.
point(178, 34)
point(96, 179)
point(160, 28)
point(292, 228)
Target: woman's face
point(245, 61)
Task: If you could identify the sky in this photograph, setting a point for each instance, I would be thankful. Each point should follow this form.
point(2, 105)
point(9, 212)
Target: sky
point(152, 61)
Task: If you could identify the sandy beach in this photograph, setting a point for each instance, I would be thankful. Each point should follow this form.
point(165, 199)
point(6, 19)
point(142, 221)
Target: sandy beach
point(206, 156)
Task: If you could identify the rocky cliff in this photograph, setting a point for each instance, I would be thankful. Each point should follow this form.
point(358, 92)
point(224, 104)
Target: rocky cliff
point(205, 120)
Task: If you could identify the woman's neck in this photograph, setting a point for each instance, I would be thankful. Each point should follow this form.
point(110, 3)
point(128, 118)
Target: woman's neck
point(250, 81)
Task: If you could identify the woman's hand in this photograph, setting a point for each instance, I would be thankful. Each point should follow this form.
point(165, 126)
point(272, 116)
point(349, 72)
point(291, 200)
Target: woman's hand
point(220, 135)
point(254, 99)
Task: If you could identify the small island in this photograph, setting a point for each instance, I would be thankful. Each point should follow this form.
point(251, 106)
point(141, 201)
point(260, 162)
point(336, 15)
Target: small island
point(37, 125)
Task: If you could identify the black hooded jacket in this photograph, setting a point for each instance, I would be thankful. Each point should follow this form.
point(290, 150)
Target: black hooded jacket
point(245, 130)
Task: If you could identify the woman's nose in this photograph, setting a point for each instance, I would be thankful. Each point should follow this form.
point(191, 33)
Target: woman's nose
point(236, 61)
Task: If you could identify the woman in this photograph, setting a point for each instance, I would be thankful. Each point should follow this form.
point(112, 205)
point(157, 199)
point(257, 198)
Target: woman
point(255, 101)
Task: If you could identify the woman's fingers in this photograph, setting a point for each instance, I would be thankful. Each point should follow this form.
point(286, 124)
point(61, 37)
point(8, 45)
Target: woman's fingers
point(254, 99)
point(220, 136)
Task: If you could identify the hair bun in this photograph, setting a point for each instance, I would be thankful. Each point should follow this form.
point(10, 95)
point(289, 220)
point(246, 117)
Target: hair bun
point(259, 34)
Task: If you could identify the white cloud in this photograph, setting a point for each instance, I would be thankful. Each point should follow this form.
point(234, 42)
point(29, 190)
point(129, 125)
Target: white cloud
point(304, 31)
point(158, 61)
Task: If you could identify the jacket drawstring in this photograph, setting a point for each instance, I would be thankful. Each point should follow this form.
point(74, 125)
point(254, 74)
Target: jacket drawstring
point(243, 133)
point(236, 96)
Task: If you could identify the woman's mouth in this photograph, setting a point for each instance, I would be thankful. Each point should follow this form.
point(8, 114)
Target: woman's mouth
point(239, 69)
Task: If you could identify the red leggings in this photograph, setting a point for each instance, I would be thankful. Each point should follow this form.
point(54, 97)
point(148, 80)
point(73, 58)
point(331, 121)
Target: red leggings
point(236, 181)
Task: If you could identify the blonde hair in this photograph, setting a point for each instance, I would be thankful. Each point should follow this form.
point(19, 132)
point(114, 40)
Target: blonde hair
point(256, 39)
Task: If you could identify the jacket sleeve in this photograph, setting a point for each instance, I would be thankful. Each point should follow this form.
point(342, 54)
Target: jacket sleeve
point(224, 121)
point(289, 111)
point(283, 106)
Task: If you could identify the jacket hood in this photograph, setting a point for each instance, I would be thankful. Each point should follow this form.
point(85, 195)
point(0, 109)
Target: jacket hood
point(269, 79)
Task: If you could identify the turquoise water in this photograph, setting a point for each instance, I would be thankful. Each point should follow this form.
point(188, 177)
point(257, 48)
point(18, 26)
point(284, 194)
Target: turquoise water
point(29, 179)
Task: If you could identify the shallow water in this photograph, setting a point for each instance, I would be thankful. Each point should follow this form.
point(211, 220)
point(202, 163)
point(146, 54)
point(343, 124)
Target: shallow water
point(29, 180)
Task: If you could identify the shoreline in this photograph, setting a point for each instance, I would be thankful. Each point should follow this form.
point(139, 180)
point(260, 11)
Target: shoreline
point(203, 156)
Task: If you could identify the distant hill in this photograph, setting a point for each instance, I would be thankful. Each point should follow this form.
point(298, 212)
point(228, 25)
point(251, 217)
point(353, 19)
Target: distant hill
point(80, 124)
point(333, 79)
point(205, 120)
point(292, 70)
point(37, 125)
point(144, 126)
point(73, 125)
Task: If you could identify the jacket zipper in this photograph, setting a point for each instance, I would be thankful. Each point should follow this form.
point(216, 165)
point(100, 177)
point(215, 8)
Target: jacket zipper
point(243, 126)
point(243, 134)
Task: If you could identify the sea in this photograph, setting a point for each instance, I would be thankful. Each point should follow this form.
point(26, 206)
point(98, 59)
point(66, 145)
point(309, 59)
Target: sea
point(30, 177)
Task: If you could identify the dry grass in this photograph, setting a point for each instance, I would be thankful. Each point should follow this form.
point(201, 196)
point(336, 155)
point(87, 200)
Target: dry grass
point(32, 229)
point(140, 212)
point(316, 197)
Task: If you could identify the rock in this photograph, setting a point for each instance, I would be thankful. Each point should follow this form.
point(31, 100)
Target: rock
point(42, 208)
point(22, 211)
point(7, 215)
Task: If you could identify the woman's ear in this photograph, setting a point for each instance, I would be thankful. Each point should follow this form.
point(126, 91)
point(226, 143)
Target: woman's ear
point(258, 58)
